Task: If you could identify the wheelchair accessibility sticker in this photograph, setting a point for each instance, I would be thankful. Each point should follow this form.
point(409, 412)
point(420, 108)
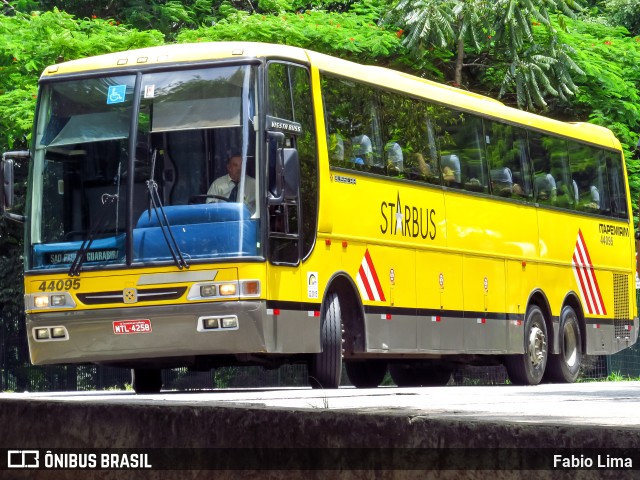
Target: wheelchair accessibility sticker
point(116, 94)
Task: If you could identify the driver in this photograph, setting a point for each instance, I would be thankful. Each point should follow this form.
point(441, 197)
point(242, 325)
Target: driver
point(227, 185)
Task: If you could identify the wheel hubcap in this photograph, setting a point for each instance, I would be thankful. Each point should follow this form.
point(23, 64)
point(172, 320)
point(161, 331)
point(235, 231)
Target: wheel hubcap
point(537, 346)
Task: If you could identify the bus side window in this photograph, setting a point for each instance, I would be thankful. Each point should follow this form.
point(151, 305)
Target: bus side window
point(394, 158)
point(351, 112)
point(336, 149)
point(566, 191)
point(411, 150)
point(585, 163)
point(616, 185)
point(450, 166)
point(551, 170)
point(462, 150)
point(507, 156)
point(396, 132)
point(361, 150)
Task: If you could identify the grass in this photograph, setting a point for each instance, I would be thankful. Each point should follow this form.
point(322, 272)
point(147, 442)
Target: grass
point(612, 377)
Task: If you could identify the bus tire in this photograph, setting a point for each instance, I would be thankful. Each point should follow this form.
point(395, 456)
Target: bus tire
point(564, 367)
point(325, 368)
point(408, 375)
point(528, 368)
point(367, 374)
point(146, 380)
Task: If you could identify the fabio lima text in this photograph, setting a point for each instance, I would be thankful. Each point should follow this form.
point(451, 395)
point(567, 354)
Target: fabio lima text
point(599, 461)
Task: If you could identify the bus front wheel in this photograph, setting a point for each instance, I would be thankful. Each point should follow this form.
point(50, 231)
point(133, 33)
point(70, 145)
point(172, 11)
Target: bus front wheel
point(564, 367)
point(325, 368)
point(528, 368)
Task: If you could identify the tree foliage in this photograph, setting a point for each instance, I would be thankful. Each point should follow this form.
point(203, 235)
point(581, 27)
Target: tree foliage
point(30, 42)
point(609, 89)
point(625, 13)
point(166, 16)
point(496, 35)
point(354, 33)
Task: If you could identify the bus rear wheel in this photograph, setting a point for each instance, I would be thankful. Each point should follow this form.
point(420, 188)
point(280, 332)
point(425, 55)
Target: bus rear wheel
point(528, 368)
point(409, 375)
point(146, 380)
point(564, 366)
point(368, 374)
point(325, 368)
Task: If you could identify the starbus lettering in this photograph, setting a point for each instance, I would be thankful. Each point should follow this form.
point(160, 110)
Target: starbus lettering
point(407, 220)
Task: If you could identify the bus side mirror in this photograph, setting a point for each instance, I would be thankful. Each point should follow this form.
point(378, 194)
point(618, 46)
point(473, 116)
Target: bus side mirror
point(275, 166)
point(284, 171)
point(7, 184)
point(8, 180)
point(291, 174)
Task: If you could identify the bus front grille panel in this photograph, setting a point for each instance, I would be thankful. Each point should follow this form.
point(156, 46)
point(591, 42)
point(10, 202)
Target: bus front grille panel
point(144, 295)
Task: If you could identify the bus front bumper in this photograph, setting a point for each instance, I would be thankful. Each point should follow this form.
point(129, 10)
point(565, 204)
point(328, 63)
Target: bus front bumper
point(168, 331)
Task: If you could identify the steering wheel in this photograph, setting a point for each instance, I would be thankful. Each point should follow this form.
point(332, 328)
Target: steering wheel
point(203, 197)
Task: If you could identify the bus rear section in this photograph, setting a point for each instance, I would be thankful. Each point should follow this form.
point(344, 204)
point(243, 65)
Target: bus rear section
point(484, 235)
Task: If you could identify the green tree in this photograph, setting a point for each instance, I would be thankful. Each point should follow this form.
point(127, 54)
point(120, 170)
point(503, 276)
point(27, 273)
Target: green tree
point(609, 89)
point(30, 42)
point(624, 13)
point(353, 33)
point(497, 35)
point(166, 16)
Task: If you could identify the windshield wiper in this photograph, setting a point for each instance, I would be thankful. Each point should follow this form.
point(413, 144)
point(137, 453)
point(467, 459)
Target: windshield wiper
point(156, 203)
point(96, 229)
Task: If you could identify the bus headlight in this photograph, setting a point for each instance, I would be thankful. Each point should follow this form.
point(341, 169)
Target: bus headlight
point(58, 300)
point(230, 322)
point(50, 334)
point(248, 289)
point(42, 333)
point(227, 289)
point(207, 290)
point(210, 323)
point(217, 323)
point(49, 300)
point(41, 301)
point(58, 332)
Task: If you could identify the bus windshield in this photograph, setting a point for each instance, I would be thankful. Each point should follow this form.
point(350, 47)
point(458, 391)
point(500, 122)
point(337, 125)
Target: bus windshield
point(146, 168)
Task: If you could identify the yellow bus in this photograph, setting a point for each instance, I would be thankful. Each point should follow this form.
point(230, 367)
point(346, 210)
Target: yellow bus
point(250, 204)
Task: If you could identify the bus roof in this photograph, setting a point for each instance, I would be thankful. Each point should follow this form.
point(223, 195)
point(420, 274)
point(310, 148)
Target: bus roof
point(176, 54)
point(379, 76)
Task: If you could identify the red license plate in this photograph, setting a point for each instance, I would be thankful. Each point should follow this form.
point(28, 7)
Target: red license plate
point(132, 326)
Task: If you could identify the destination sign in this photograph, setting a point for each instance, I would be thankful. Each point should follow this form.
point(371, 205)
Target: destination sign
point(103, 255)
